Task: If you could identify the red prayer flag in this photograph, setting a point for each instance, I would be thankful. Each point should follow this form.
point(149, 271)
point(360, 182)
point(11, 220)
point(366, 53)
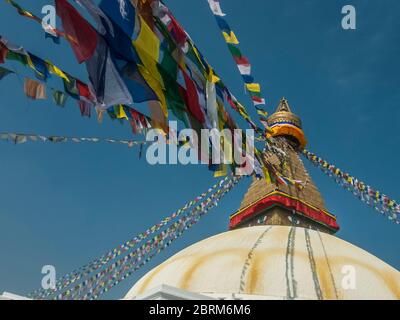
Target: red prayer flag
point(192, 98)
point(257, 99)
point(83, 90)
point(85, 108)
point(3, 52)
point(82, 36)
point(177, 31)
point(241, 60)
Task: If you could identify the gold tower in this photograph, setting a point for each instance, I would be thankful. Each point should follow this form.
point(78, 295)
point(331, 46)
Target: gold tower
point(281, 204)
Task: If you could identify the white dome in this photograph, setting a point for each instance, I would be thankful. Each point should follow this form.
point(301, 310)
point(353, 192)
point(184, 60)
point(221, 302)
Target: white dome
point(275, 262)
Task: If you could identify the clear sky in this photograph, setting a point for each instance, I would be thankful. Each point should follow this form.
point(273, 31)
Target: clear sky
point(67, 204)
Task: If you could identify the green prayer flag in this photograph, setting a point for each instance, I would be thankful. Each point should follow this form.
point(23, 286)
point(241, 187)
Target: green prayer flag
point(4, 72)
point(71, 88)
point(59, 98)
point(235, 51)
point(168, 69)
point(11, 55)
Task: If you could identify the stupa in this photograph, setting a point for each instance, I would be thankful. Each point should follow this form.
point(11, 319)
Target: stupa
point(280, 245)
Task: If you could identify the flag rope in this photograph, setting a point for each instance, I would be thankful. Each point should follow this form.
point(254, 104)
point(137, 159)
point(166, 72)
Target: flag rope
point(61, 292)
point(374, 198)
point(243, 64)
point(21, 138)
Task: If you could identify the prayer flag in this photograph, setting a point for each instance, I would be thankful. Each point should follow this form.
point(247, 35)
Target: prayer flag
point(125, 18)
point(40, 67)
point(83, 90)
point(134, 81)
point(230, 38)
point(247, 79)
point(223, 25)
point(34, 89)
point(245, 69)
point(253, 87)
point(59, 98)
point(105, 78)
point(192, 98)
point(120, 112)
point(3, 52)
point(212, 108)
point(56, 71)
point(55, 39)
point(4, 72)
point(84, 36)
point(71, 88)
point(104, 24)
point(85, 108)
point(258, 101)
point(148, 47)
point(216, 8)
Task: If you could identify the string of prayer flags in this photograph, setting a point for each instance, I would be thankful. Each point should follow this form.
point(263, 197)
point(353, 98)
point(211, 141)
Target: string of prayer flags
point(90, 47)
point(162, 57)
point(122, 269)
point(126, 248)
point(165, 21)
point(24, 12)
point(50, 32)
point(242, 62)
point(20, 138)
point(73, 87)
point(116, 28)
point(379, 201)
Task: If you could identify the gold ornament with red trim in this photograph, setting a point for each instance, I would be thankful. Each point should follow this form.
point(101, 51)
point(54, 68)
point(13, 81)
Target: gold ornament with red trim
point(285, 123)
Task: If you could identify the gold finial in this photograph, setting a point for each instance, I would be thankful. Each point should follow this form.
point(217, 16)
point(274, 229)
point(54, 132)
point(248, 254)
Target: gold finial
point(283, 106)
point(285, 123)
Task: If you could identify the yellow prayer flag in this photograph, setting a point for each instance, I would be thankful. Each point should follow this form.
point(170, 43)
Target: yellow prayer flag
point(230, 38)
point(157, 88)
point(55, 70)
point(253, 87)
point(266, 175)
point(221, 173)
point(27, 14)
point(212, 77)
point(148, 48)
point(147, 40)
point(262, 113)
point(159, 121)
point(120, 112)
point(197, 53)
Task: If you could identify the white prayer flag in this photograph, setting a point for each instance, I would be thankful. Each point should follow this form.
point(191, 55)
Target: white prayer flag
point(245, 69)
point(216, 8)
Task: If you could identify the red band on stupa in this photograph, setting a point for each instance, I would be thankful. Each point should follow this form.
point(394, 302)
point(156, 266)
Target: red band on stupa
point(288, 202)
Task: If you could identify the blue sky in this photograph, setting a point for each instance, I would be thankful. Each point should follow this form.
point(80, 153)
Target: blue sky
point(67, 204)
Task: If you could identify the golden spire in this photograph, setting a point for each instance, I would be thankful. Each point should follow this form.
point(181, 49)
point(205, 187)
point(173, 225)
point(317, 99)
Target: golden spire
point(285, 203)
point(285, 123)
